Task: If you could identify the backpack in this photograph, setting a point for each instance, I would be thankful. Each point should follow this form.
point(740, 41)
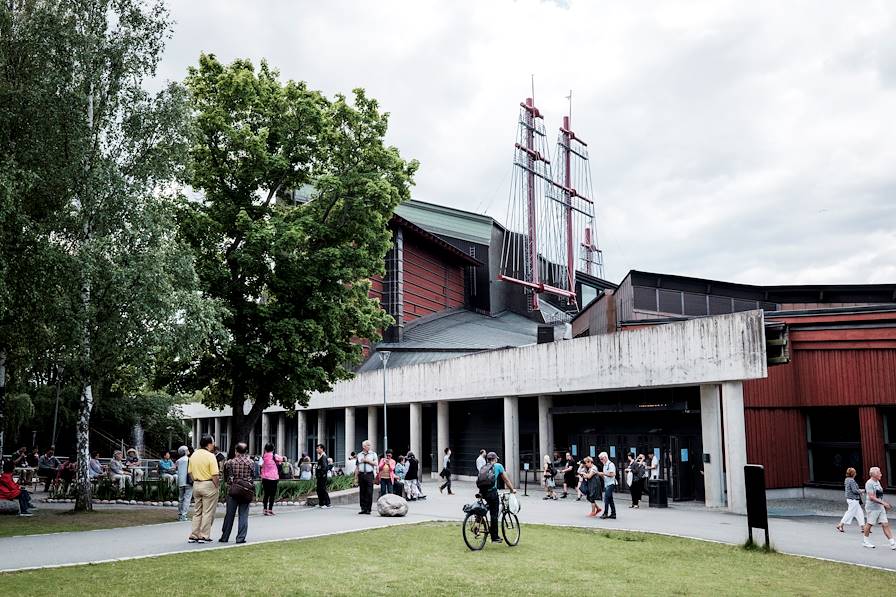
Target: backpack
point(486, 478)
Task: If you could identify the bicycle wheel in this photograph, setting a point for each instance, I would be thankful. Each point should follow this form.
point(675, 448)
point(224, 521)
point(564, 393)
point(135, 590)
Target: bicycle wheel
point(475, 531)
point(510, 528)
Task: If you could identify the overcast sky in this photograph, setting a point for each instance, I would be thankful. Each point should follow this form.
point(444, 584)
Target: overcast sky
point(745, 141)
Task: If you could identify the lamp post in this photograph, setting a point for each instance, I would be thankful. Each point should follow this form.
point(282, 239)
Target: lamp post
point(384, 357)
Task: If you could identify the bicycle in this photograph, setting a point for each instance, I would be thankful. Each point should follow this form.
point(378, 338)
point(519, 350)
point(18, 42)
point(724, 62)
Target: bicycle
point(477, 529)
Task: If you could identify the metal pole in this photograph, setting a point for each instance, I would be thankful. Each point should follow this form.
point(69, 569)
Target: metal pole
point(384, 357)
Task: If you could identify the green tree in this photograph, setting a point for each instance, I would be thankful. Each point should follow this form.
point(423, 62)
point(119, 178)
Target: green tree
point(292, 276)
point(128, 287)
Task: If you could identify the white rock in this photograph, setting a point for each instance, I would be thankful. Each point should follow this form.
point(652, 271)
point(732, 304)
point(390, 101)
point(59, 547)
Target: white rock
point(392, 505)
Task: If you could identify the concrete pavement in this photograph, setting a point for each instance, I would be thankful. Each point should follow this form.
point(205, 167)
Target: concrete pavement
point(809, 536)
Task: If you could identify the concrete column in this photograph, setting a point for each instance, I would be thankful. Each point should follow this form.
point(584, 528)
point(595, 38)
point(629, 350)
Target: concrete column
point(511, 455)
point(195, 439)
point(252, 446)
point(301, 431)
point(416, 429)
point(372, 417)
point(545, 430)
point(281, 433)
point(441, 436)
point(735, 445)
point(322, 434)
point(711, 421)
point(265, 430)
point(218, 428)
point(349, 431)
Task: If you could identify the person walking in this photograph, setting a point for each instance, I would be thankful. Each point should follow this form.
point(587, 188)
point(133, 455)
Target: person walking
point(184, 484)
point(203, 467)
point(589, 485)
point(237, 468)
point(412, 479)
point(490, 495)
point(547, 482)
point(270, 478)
point(446, 472)
point(608, 474)
point(876, 509)
point(570, 479)
point(386, 473)
point(853, 501)
point(367, 466)
point(323, 467)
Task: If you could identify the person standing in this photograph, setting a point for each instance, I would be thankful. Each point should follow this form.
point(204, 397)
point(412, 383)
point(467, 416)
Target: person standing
point(386, 473)
point(412, 479)
point(367, 465)
point(608, 474)
point(547, 472)
point(350, 464)
point(853, 501)
point(480, 461)
point(184, 483)
point(323, 498)
point(203, 467)
point(270, 478)
point(876, 508)
point(491, 495)
point(589, 484)
point(446, 472)
point(637, 470)
point(238, 467)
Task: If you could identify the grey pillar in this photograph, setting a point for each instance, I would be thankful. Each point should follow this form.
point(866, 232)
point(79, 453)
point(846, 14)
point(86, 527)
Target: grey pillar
point(545, 429)
point(349, 431)
point(735, 445)
point(711, 422)
point(442, 434)
point(301, 432)
point(265, 430)
point(512, 438)
point(218, 434)
point(416, 431)
point(281, 433)
point(322, 429)
point(372, 417)
point(195, 438)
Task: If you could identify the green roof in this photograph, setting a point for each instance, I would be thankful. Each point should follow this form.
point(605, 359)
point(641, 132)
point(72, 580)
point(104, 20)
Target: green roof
point(447, 221)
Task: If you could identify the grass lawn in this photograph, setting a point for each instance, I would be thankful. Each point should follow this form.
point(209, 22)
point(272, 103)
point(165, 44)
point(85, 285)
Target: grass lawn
point(47, 520)
point(431, 559)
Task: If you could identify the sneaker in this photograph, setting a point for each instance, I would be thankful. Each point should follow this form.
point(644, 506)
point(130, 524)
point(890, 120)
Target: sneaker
point(328, 506)
point(240, 542)
point(547, 497)
point(892, 544)
point(362, 512)
point(612, 516)
point(223, 540)
point(205, 540)
point(26, 514)
point(498, 540)
point(604, 517)
point(192, 540)
point(563, 496)
point(869, 544)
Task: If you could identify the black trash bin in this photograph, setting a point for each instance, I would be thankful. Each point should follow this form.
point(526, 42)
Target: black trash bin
point(658, 490)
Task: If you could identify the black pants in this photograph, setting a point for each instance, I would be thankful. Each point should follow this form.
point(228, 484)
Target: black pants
point(365, 486)
point(447, 482)
point(323, 498)
point(637, 490)
point(491, 498)
point(270, 493)
point(242, 529)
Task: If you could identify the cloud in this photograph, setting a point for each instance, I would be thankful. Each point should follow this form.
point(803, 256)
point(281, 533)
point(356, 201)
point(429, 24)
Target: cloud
point(751, 142)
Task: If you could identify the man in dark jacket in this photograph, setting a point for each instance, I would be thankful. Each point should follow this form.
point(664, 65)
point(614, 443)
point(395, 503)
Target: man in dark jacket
point(323, 498)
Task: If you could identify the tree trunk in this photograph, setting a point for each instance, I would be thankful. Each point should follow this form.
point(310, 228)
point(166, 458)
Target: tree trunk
point(2, 397)
point(84, 499)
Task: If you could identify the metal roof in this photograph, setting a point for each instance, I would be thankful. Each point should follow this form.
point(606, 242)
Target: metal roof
point(453, 335)
point(448, 221)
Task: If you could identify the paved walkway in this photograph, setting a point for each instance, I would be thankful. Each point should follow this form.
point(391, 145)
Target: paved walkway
point(810, 536)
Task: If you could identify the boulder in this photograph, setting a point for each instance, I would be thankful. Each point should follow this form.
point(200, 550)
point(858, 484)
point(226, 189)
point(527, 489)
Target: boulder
point(392, 505)
point(9, 507)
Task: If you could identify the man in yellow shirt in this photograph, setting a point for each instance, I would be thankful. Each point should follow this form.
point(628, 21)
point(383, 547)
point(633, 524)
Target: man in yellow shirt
point(203, 468)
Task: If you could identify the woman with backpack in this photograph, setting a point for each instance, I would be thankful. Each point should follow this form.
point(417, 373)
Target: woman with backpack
point(270, 478)
point(590, 485)
point(548, 472)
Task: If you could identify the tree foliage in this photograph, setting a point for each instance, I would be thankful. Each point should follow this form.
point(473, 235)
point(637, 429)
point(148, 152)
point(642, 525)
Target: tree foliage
point(293, 277)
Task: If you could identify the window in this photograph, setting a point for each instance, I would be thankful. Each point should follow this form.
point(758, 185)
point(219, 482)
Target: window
point(644, 298)
point(669, 301)
point(694, 304)
point(834, 437)
point(589, 293)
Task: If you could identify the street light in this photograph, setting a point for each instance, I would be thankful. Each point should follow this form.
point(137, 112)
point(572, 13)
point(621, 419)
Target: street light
point(384, 357)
